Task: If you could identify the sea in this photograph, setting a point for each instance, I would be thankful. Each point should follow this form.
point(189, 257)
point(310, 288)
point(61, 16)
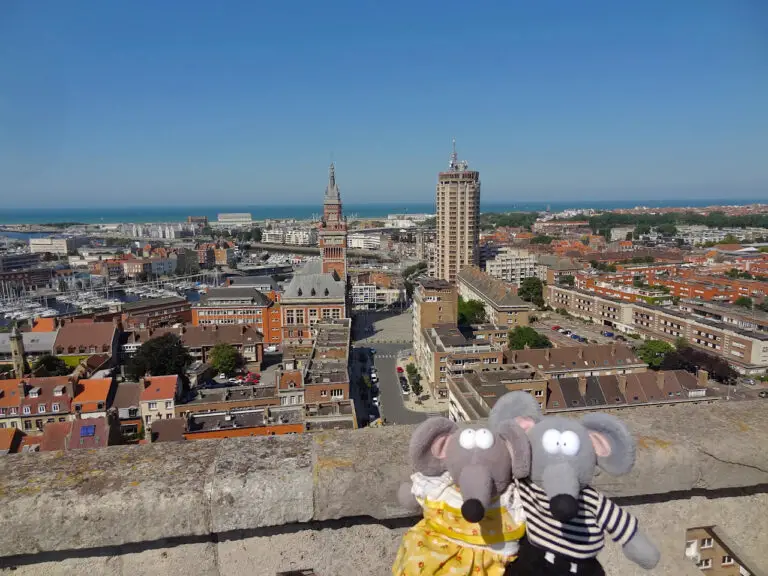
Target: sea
point(148, 214)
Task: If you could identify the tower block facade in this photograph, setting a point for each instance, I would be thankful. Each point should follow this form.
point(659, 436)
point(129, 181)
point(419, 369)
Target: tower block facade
point(333, 230)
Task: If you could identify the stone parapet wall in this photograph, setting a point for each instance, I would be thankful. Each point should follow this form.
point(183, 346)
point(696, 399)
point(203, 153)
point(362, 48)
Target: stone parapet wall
point(84, 503)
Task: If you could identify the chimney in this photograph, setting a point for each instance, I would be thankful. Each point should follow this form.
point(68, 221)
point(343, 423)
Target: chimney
point(613, 349)
point(583, 385)
point(22, 387)
point(215, 327)
point(623, 384)
point(581, 352)
point(702, 377)
point(243, 329)
point(660, 379)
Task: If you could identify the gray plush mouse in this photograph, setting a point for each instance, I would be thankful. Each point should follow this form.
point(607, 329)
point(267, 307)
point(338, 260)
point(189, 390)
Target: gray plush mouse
point(464, 482)
point(565, 517)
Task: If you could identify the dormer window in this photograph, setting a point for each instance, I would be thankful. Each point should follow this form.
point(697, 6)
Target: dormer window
point(34, 393)
point(58, 391)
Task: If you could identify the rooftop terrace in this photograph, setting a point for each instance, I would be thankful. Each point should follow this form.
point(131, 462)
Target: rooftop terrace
point(326, 501)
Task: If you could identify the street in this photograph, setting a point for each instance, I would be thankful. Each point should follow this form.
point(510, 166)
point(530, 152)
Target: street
point(388, 334)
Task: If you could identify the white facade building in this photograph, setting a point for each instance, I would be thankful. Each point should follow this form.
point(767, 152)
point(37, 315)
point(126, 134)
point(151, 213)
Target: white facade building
point(234, 219)
point(512, 265)
point(364, 295)
point(54, 245)
point(363, 241)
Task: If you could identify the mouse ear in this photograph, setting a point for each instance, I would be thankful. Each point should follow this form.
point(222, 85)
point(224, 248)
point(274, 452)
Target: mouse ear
point(613, 443)
point(429, 444)
point(520, 407)
point(519, 447)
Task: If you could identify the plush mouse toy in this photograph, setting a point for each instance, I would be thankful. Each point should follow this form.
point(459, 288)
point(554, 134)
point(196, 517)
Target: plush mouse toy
point(464, 482)
point(565, 517)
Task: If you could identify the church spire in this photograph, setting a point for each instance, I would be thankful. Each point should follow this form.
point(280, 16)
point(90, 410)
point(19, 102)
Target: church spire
point(332, 190)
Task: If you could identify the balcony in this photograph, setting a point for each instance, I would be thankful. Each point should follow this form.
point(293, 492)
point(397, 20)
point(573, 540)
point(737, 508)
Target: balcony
point(326, 501)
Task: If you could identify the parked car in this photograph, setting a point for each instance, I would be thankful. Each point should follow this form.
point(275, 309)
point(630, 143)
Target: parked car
point(406, 390)
point(555, 327)
point(270, 349)
point(399, 369)
point(763, 393)
point(403, 381)
point(376, 401)
point(567, 332)
point(373, 350)
point(233, 380)
point(222, 376)
point(374, 378)
point(575, 336)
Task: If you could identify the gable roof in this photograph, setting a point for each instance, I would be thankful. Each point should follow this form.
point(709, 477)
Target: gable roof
point(496, 292)
point(203, 336)
point(75, 434)
point(92, 392)
point(236, 293)
point(127, 395)
point(169, 430)
point(98, 335)
point(159, 388)
point(575, 357)
point(9, 440)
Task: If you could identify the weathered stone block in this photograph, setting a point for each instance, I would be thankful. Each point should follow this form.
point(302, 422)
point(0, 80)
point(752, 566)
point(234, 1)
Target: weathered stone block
point(93, 498)
point(262, 482)
point(357, 472)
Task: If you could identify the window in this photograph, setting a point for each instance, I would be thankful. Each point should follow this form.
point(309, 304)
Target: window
point(337, 393)
point(62, 419)
point(336, 313)
point(14, 411)
point(39, 424)
point(326, 313)
point(289, 318)
point(2, 411)
point(323, 393)
point(168, 416)
point(100, 406)
point(169, 405)
point(706, 542)
point(727, 561)
point(705, 563)
point(27, 425)
point(538, 393)
point(148, 419)
point(55, 407)
point(153, 405)
point(27, 410)
point(299, 316)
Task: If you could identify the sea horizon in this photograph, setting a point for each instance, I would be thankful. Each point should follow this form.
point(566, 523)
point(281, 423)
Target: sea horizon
point(154, 214)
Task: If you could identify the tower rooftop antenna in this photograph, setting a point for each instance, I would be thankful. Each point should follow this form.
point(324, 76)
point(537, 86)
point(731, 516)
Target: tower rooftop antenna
point(452, 165)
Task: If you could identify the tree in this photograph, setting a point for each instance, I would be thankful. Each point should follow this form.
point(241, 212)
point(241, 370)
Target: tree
point(366, 381)
point(532, 290)
point(642, 229)
point(567, 280)
point(744, 302)
point(416, 386)
point(542, 239)
point(763, 305)
point(160, 356)
point(471, 312)
point(682, 343)
point(628, 236)
point(652, 352)
point(667, 229)
point(523, 336)
point(206, 231)
point(224, 358)
point(410, 369)
point(50, 365)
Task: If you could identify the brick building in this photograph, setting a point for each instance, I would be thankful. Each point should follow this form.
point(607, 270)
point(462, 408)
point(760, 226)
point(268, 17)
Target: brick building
point(503, 307)
point(240, 306)
point(155, 312)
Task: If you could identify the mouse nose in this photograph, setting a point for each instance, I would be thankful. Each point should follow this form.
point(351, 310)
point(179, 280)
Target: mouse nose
point(563, 507)
point(473, 510)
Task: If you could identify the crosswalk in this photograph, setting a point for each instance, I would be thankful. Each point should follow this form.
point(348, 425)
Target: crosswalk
point(386, 355)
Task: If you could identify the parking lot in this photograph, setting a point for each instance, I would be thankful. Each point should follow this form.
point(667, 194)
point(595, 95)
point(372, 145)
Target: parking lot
point(585, 329)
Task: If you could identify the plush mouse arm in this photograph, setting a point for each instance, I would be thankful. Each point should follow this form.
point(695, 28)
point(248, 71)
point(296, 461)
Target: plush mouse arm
point(642, 551)
point(406, 498)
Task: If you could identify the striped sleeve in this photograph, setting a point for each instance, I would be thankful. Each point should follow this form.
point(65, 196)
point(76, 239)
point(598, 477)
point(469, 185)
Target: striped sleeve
point(619, 523)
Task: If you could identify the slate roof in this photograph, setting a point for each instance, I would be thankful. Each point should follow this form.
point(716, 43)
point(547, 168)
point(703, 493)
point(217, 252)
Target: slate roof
point(202, 336)
point(34, 342)
point(169, 430)
point(315, 286)
point(235, 293)
point(601, 357)
point(495, 291)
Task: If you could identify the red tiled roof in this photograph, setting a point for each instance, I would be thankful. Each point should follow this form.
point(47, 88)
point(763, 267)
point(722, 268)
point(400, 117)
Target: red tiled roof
point(92, 392)
point(9, 439)
point(75, 434)
point(159, 388)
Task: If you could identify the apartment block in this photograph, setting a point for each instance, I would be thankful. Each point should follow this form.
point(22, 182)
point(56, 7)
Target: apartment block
point(443, 351)
point(503, 307)
point(458, 219)
point(512, 265)
point(715, 554)
point(745, 350)
point(435, 302)
point(155, 312)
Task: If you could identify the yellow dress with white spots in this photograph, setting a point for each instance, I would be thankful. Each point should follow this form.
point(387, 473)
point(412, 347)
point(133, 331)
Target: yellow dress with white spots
point(444, 544)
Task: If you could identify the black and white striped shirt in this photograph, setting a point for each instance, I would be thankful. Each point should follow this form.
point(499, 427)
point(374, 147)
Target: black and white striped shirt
point(581, 537)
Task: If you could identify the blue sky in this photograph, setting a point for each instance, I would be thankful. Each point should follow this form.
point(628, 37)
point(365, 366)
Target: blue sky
point(126, 102)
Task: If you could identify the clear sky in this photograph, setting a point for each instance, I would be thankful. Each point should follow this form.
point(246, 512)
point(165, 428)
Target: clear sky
point(130, 102)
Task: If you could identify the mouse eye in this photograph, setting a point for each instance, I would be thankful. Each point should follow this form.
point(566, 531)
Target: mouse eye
point(551, 441)
point(569, 443)
point(484, 439)
point(467, 439)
